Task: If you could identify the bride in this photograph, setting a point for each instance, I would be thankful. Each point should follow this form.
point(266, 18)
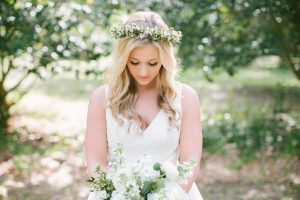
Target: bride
point(141, 105)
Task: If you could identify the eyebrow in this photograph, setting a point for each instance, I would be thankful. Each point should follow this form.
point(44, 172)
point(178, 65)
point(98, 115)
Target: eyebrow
point(148, 60)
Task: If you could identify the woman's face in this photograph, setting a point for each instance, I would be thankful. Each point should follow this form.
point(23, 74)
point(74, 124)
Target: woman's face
point(144, 64)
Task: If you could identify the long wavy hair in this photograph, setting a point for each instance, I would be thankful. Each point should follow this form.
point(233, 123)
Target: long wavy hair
point(123, 92)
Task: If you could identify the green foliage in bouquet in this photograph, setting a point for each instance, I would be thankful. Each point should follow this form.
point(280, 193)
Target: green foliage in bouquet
point(153, 186)
point(101, 182)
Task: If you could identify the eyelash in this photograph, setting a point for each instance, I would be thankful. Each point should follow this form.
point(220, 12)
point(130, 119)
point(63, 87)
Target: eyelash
point(138, 63)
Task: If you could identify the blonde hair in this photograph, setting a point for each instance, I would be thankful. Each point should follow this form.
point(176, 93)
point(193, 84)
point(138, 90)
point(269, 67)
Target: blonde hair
point(123, 93)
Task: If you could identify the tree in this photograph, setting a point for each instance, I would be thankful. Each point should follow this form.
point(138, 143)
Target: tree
point(41, 33)
point(229, 34)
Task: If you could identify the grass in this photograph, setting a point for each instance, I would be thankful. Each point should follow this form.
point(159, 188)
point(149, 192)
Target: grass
point(249, 87)
point(67, 87)
point(251, 76)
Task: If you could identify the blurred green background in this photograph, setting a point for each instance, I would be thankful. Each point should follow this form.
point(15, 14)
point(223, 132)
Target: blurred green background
point(242, 57)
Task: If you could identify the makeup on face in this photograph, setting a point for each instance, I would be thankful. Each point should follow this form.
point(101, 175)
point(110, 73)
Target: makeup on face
point(151, 62)
point(144, 63)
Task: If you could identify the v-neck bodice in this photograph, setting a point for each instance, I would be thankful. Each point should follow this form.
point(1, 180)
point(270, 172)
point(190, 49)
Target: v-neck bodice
point(159, 139)
point(153, 120)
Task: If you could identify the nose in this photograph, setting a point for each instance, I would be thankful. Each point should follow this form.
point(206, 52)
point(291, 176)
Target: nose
point(143, 71)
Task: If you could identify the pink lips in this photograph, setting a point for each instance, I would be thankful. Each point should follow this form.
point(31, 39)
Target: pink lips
point(144, 77)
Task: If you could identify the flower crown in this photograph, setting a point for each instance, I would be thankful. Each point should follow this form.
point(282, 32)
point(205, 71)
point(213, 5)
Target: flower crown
point(145, 32)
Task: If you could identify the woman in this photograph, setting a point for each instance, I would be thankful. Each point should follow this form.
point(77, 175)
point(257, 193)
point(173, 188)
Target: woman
point(141, 105)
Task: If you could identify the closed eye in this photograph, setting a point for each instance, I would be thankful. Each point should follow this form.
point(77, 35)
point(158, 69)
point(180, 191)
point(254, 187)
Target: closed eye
point(152, 64)
point(134, 63)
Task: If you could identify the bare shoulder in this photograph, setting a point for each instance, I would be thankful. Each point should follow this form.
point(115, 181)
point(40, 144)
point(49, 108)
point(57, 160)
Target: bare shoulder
point(97, 96)
point(190, 99)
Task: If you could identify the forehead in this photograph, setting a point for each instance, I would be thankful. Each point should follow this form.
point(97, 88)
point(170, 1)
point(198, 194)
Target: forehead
point(145, 52)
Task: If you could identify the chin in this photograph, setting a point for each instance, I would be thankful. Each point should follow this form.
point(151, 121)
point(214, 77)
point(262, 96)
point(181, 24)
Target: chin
point(144, 82)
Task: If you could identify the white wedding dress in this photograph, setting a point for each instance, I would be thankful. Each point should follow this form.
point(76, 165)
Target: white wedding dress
point(159, 139)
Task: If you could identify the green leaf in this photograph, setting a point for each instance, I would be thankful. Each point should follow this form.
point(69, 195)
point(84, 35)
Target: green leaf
point(147, 187)
point(159, 184)
point(157, 167)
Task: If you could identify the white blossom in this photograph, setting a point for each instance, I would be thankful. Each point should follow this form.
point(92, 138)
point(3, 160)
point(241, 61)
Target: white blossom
point(142, 32)
point(175, 192)
point(170, 170)
point(121, 177)
point(100, 195)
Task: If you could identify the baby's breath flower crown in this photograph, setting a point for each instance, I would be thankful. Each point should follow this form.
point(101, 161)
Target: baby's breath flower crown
point(145, 32)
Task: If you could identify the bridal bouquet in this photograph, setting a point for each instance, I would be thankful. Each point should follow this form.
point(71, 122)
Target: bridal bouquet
point(140, 181)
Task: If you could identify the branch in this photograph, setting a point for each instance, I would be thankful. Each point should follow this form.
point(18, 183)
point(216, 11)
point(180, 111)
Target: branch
point(5, 73)
point(2, 68)
point(19, 82)
point(10, 34)
point(22, 93)
point(7, 3)
point(284, 53)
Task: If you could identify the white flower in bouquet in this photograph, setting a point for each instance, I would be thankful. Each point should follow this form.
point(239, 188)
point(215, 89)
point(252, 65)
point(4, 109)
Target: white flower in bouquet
point(170, 191)
point(116, 161)
point(132, 194)
point(161, 195)
point(117, 195)
point(122, 176)
point(125, 183)
point(100, 195)
point(144, 168)
point(170, 169)
point(185, 171)
point(175, 192)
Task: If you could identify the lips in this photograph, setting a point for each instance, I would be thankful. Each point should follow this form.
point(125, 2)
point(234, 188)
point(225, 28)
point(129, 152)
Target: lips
point(144, 77)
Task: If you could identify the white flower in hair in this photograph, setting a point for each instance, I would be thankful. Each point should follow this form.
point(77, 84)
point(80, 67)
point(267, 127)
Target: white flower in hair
point(145, 32)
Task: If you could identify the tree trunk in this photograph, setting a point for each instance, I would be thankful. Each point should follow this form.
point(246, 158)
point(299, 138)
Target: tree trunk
point(292, 66)
point(284, 51)
point(4, 105)
point(4, 113)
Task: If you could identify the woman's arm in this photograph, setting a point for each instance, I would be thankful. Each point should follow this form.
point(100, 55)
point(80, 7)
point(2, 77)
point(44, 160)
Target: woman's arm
point(95, 144)
point(191, 131)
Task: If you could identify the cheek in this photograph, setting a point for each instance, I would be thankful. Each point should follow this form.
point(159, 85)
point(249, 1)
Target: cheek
point(131, 70)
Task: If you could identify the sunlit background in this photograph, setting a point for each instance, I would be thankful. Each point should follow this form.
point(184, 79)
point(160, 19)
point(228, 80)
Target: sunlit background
point(242, 57)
